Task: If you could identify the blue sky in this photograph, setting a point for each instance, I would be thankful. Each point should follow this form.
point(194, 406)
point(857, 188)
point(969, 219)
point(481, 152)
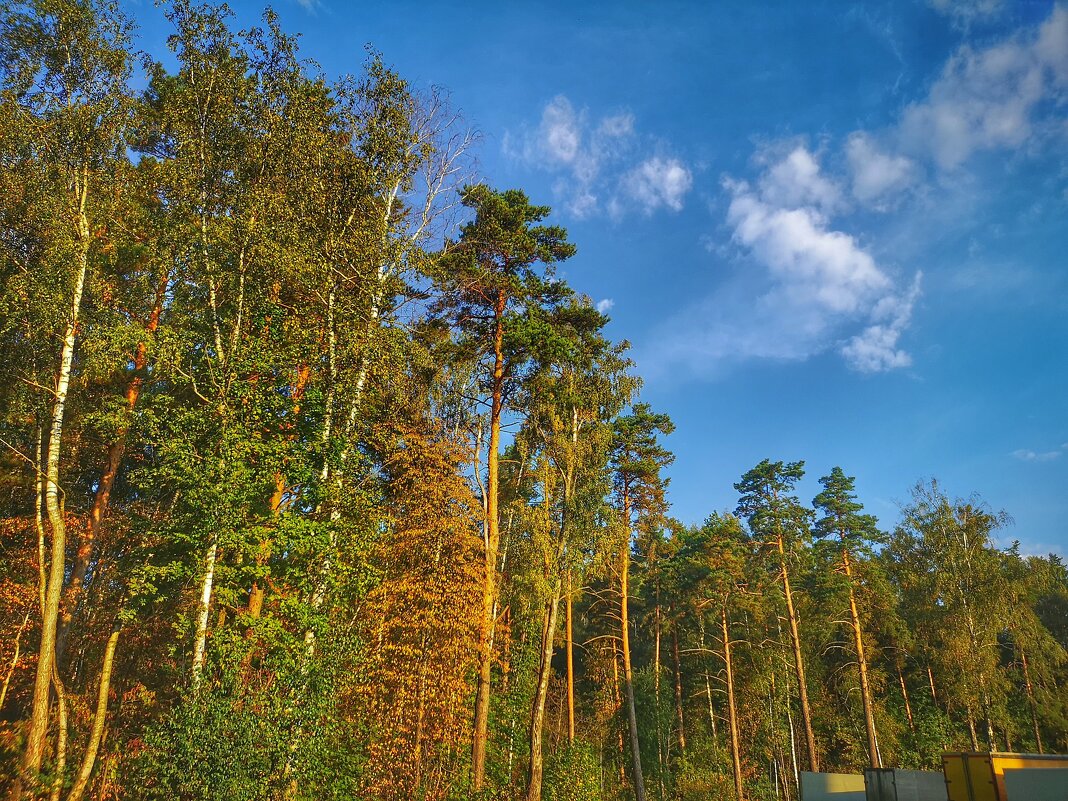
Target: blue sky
point(832, 232)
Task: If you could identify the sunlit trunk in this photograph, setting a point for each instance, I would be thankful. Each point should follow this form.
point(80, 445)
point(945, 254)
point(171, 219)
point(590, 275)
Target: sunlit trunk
point(1030, 701)
point(680, 721)
point(537, 716)
point(570, 670)
point(905, 697)
point(72, 597)
point(628, 677)
point(732, 712)
point(38, 728)
point(799, 664)
point(206, 585)
point(81, 783)
point(489, 591)
point(60, 767)
point(862, 662)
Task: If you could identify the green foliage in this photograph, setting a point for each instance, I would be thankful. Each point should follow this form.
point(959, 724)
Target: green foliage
point(572, 773)
point(210, 748)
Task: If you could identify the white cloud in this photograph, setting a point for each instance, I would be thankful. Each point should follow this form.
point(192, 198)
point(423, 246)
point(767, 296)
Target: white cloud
point(815, 264)
point(819, 287)
point(797, 180)
point(875, 350)
point(878, 177)
point(1028, 455)
point(964, 12)
point(605, 306)
point(560, 137)
point(598, 163)
point(816, 284)
point(620, 125)
point(658, 182)
point(987, 98)
point(1051, 47)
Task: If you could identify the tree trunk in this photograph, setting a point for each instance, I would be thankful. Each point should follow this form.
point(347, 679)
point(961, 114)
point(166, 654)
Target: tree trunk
point(660, 745)
point(1031, 700)
point(680, 721)
point(732, 712)
point(116, 451)
point(618, 712)
point(799, 665)
point(905, 696)
point(862, 662)
point(570, 670)
point(200, 643)
point(628, 677)
point(489, 591)
point(60, 768)
point(14, 660)
point(38, 729)
point(971, 729)
point(537, 714)
point(99, 717)
point(708, 687)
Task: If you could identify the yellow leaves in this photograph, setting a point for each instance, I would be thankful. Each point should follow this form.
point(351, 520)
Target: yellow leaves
point(421, 622)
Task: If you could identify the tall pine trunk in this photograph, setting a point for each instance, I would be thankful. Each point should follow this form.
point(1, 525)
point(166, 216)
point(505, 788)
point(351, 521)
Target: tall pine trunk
point(732, 710)
point(862, 662)
point(489, 587)
point(905, 697)
point(680, 721)
point(799, 664)
point(628, 676)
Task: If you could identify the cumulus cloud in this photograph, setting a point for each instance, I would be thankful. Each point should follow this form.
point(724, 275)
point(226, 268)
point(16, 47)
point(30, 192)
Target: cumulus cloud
point(599, 163)
point(987, 98)
point(605, 306)
point(1051, 46)
point(797, 180)
point(820, 266)
point(657, 183)
point(875, 349)
point(878, 177)
point(815, 284)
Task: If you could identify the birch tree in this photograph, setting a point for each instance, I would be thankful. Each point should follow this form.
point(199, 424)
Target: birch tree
point(65, 68)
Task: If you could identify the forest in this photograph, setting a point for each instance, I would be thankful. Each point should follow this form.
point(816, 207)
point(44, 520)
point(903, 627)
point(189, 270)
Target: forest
point(319, 483)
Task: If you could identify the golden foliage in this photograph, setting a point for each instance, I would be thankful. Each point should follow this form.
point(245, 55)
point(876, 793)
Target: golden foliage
point(422, 623)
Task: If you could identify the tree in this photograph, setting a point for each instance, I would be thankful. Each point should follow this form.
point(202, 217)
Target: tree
point(778, 520)
point(570, 399)
point(422, 619)
point(946, 563)
point(715, 559)
point(496, 281)
point(638, 488)
point(856, 533)
point(65, 68)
